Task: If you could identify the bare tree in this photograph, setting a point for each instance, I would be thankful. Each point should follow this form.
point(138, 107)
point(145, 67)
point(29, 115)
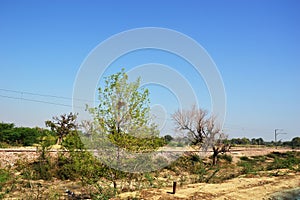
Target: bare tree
point(201, 129)
point(88, 129)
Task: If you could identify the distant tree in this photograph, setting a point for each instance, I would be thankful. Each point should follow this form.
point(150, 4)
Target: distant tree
point(88, 129)
point(168, 138)
point(63, 125)
point(245, 141)
point(295, 142)
point(260, 141)
point(201, 129)
point(257, 141)
point(20, 136)
point(6, 126)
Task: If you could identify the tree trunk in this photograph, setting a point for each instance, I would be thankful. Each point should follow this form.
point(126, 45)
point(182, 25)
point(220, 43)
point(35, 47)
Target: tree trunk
point(215, 156)
point(59, 141)
point(214, 159)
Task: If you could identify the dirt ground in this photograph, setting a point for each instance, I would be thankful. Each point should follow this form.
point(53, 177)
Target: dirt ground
point(240, 188)
point(237, 188)
point(251, 187)
point(237, 152)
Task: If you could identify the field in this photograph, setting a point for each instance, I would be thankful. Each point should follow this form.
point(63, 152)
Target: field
point(253, 173)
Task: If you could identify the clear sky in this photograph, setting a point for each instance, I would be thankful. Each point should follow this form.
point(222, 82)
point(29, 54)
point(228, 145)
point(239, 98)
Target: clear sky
point(255, 45)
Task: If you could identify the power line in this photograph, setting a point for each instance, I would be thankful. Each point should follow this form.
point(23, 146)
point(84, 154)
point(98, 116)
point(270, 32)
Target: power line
point(231, 127)
point(44, 95)
point(38, 101)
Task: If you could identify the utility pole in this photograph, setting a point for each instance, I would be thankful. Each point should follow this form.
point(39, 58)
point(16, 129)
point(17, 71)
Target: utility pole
point(277, 132)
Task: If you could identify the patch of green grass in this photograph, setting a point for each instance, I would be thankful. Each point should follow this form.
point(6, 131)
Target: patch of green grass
point(247, 167)
point(285, 162)
point(4, 178)
point(259, 158)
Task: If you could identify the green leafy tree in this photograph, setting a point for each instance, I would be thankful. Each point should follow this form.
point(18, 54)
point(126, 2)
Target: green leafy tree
point(296, 142)
point(122, 121)
point(6, 126)
point(20, 136)
point(168, 138)
point(124, 114)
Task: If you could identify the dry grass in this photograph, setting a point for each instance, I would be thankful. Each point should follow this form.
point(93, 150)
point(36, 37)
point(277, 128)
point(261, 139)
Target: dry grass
point(225, 182)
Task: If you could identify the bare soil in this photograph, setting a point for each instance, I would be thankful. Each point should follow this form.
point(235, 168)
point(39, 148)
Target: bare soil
point(237, 188)
point(243, 187)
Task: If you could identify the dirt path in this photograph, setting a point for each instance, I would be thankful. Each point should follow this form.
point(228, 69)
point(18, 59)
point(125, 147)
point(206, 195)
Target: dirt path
point(238, 188)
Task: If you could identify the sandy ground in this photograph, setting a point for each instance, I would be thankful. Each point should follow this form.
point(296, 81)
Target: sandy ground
point(237, 152)
point(237, 188)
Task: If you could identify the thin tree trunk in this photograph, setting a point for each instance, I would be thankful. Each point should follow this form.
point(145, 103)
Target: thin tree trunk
point(215, 155)
point(59, 141)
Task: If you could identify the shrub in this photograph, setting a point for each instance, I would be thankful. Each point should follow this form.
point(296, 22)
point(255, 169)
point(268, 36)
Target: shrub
point(245, 158)
point(247, 167)
point(259, 158)
point(4, 177)
point(225, 157)
point(274, 154)
point(149, 178)
point(195, 158)
point(103, 193)
point(283, 163)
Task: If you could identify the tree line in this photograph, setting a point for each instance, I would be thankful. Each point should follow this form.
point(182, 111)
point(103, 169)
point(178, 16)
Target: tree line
point(294, 143)
point(10, 135)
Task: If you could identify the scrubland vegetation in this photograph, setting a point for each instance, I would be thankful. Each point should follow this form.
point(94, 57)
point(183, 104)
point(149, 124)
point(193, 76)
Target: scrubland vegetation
point(65, 167)
point(78, 171)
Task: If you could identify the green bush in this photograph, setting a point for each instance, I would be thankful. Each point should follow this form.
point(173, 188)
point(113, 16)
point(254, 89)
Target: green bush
point(247, 167)
point(195, 158)
point(259, 158)
point(103, 193)
point(245, 158)
point(42, 170)
point(149, 178)
point(283, 163)
point(20, 136)
point(225, 157)
point(274, 154)
point(4, 177)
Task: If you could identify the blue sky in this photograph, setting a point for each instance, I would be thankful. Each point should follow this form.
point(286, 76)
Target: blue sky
point(255, 45)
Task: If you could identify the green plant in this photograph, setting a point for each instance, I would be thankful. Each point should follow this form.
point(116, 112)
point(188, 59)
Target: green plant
point(20, 136)
point(4, 177)
point(225, 157)
point(280, 163)
point(63, 125)
point(103, 193)
point(195, 158)
point(149, 178)
point(123, 118)
point(259, 158)
point(245, 158)
point(247, 167)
